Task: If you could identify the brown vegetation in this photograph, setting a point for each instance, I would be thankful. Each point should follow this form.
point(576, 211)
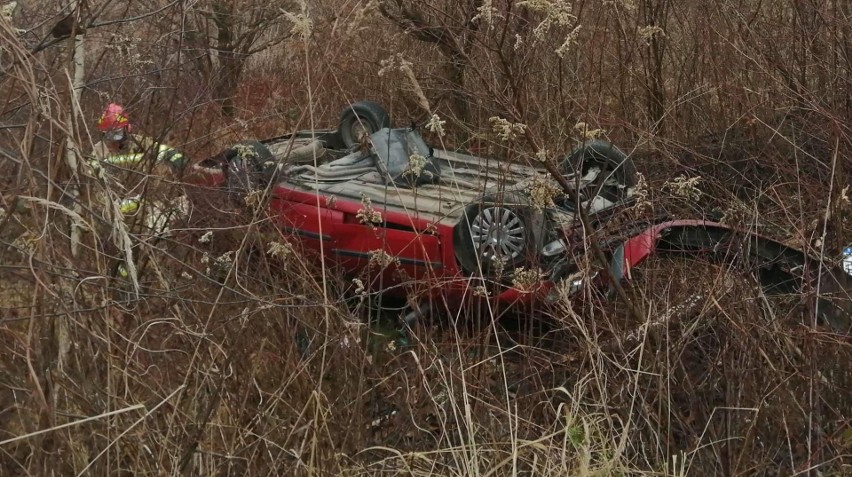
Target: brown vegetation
point(236, 356)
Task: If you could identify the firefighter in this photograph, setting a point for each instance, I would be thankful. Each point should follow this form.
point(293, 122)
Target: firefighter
point(141, 171)
point(120, 148)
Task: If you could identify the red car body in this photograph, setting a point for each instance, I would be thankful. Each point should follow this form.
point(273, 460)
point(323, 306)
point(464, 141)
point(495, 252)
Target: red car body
point(416, 233)
point(333, 228)
point(411, 248)
point(421, 251)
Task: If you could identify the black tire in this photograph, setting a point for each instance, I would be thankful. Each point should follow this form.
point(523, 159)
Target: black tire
point(359, 118)
point(613, 163)
point(250, 166)
point(519, 246)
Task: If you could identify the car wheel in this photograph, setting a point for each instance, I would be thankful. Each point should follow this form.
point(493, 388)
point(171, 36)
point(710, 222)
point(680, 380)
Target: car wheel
point(613, 172)
point(499, 229)
point(360, 119)
point(250, 167)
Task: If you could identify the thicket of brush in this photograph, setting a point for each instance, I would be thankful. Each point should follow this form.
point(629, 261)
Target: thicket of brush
point(237, 355)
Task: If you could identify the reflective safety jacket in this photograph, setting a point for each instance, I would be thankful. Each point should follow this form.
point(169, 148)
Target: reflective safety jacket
point(142, 177)
point(142, 166)
point(135, 150)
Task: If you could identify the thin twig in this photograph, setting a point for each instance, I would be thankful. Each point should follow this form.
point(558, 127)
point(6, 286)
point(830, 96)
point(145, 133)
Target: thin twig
point(71, 424)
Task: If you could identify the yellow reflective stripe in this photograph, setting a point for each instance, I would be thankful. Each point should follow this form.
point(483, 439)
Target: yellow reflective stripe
point(129, 206)
point(176, 156)
point(124, 158)
point(163, 154)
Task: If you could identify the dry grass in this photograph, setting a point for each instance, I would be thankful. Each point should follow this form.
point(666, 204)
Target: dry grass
point(225, 360)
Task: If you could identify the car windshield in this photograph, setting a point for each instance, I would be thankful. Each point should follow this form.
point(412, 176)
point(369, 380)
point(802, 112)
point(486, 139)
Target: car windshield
point(402, 156)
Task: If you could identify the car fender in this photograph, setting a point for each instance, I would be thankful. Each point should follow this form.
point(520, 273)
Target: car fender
point(781, 268)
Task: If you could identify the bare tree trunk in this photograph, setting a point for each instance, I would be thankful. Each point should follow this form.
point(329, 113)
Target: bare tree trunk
point(454, 42)
point(655, 13)
point(72, 155)
point(231, 62)
point(228, 80)
point(78, 54)
point(458, 96)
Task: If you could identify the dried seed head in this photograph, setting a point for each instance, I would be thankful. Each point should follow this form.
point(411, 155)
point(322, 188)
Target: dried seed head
point(570, 39)
point(641, 194)
point(526, 280)
point(586, 133)
point(382, 259)
point(684, 187)
point(486, 13)
point(506, 130)
point(366, 214)
point(416, 164)
point(436, 125)
point(7, 10)
point(206, 237)
point(280, 250)
point(542, 190)
point(481, 292)
point(556, 13)
point(647, 33)
point(303, 25)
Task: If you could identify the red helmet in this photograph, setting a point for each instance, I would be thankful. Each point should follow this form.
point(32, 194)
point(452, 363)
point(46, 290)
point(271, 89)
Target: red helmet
point(114, 118)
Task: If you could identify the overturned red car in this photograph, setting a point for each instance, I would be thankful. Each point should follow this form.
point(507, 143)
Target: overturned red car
point(382, 206)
